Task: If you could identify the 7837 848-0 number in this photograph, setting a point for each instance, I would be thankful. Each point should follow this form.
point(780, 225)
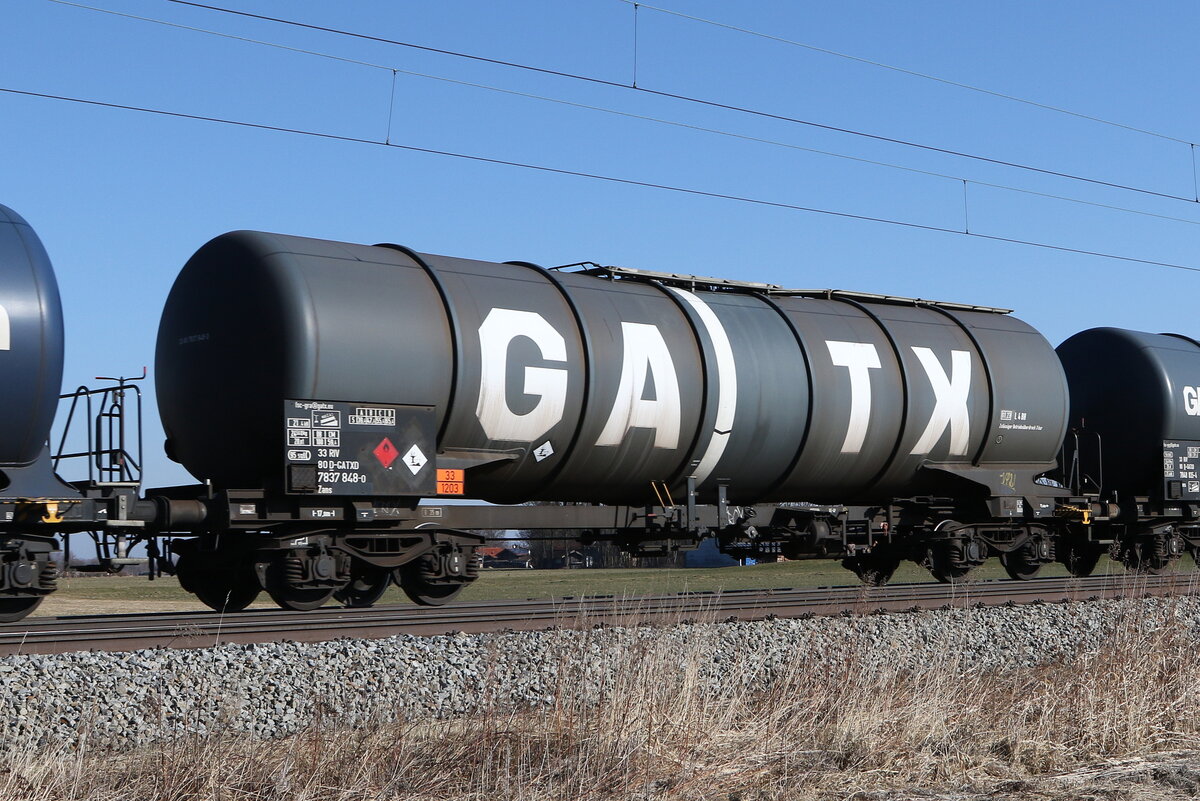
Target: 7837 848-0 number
point(340, 477)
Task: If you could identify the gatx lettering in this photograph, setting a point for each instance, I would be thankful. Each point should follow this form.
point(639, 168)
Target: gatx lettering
point(647, 394)
point(950, 401)
point(645, 357)
point(648, 391)
point(1191, 401)
point(548, 384)
point(860, 358)
point(951, 394)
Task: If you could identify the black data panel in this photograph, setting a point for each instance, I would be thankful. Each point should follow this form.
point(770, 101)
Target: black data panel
point(372, 449)
point(1181, 469)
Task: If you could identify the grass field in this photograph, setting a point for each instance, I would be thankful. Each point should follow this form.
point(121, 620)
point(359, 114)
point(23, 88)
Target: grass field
point(111, 594)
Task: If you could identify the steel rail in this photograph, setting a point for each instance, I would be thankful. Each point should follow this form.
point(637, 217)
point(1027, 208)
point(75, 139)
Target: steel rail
point(206, 629)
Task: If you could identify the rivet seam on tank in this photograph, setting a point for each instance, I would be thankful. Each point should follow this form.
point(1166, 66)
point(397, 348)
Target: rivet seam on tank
point(726, 384)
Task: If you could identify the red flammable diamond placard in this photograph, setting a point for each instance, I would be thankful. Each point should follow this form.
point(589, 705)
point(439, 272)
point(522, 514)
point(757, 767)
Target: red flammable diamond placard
point(386, 452)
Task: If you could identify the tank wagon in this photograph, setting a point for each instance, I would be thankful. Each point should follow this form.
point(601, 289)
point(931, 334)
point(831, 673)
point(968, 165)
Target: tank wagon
point(36, 506)
point(31, 353)
point(614, 386)
point(337, 402)
point(1138, 450)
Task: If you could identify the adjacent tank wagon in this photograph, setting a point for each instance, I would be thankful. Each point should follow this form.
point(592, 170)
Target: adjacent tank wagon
point(35, 505)
point(1135, 403)
point(31, 344)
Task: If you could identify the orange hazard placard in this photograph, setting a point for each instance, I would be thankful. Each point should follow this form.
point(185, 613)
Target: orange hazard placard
point(451, 482)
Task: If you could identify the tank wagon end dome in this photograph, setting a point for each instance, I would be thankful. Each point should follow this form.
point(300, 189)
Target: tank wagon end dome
point(255, 318)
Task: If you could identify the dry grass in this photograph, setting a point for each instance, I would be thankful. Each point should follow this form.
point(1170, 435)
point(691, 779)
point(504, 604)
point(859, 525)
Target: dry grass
point(1119, 723)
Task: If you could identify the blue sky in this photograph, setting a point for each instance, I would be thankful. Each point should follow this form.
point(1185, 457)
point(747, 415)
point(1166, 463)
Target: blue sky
point(121, 199)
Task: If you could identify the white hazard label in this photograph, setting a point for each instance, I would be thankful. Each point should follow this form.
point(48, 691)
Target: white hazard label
point(414, 460)
point(543, 451)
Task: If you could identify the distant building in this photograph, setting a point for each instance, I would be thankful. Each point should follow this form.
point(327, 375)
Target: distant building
point(504, 557)
point(574, 559)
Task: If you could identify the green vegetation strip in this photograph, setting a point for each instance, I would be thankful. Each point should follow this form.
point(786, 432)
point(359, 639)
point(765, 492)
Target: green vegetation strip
point(542, 584)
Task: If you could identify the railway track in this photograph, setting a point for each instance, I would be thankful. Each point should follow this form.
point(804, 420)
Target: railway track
point(204, 629)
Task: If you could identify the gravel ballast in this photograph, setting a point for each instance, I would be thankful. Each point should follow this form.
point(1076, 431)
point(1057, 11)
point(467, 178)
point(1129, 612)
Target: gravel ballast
point(276, 689)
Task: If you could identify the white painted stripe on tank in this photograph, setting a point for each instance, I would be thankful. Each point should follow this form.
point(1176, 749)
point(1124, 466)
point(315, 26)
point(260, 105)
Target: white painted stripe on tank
point(726, 384)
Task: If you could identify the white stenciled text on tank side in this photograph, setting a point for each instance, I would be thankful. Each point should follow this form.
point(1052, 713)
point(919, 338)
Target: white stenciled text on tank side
point(1191, 401)
point(644, 355)
point(548, 384)
point(950, 395)
point(860, 358)
point(5, 330)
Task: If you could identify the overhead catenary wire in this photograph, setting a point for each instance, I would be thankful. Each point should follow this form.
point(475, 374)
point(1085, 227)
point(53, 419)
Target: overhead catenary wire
point(600, 177)
point(395, 71)
point(694, 100)
point(910, 72)
point(222, 34)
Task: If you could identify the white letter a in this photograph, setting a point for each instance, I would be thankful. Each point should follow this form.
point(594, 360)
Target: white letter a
point(645, 356)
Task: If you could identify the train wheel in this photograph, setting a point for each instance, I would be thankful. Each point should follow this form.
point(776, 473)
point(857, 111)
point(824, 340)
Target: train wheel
point(950, 575)
point(952, 560)
point(944, 566)
point(367, 585)
point(301, 599)
point(1148, 568)
point(1153, 555)
point(872, 569)
point(1018, 567)
point(13, 609)
point(1148, 564)
point(1080, 560)
point(287, 575)
point(423, 591)
point(219, 584)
